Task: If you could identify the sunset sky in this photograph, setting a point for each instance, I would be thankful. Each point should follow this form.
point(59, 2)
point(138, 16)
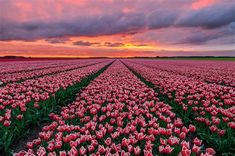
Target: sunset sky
point(85, 28)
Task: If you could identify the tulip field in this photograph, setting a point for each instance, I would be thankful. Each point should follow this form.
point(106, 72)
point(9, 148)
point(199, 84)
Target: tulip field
point(117, 107)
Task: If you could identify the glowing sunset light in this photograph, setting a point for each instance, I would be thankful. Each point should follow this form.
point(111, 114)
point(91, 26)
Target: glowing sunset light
point(202, 3)
point(67, 28)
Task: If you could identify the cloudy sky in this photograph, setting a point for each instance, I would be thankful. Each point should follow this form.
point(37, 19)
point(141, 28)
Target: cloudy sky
point(117, 27)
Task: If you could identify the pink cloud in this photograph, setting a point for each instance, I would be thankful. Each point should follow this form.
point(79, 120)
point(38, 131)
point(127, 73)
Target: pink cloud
point(198, 4)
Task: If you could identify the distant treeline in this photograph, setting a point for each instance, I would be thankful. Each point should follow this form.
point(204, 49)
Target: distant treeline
point(22, 57)
point(187, 57)
point(13, 57)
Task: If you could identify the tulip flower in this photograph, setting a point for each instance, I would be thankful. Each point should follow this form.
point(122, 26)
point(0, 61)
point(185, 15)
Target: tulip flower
point(210, 151)
point(197, 142)
point(137, 150)
point(196, 149)
point(6, 123)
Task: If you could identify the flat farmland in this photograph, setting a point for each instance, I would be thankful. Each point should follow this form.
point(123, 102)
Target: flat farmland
point(117, 107)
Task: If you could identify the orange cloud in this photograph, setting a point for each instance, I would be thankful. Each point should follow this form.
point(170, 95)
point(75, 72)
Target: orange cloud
point(108, 46)
point(198, 4)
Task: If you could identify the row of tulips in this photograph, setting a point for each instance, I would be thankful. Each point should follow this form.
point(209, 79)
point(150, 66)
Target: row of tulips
point(116, 114)
point(223, 72)
point(22, 104)
point(31, 74)
point(21, 66)
point(209, 106)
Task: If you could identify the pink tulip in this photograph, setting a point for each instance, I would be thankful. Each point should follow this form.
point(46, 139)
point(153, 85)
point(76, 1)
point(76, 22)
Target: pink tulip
point(6, 123)
point(101, 149)
point(19, 117)
point(210, 151)
point(197, 142)
point(182, 135)
point(82, 151)
point(196, 149)
point(108, 141)
point(63, 153)
point(137, 150)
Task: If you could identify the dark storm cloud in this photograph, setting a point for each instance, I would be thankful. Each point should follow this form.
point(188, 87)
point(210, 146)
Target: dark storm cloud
point(116, 44)
point(198, 39)
point(162, 18)
point(210, 17)
point(119, 44)
point(106, 44)
point(223, 35)
point(93, 26)
point(85, 43)
point(57, 40)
